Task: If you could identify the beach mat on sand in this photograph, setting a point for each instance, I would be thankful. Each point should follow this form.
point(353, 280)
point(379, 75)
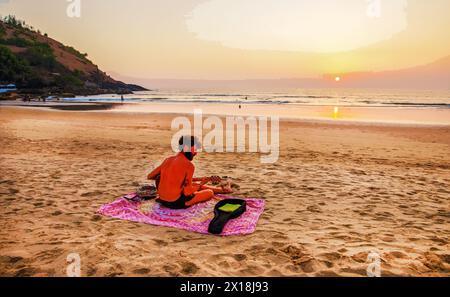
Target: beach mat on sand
point(195, 218)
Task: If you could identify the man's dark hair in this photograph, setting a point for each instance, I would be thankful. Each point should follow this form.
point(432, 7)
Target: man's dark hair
point(189, 141)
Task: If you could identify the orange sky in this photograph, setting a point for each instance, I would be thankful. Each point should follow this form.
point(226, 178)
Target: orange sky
point(238, 39)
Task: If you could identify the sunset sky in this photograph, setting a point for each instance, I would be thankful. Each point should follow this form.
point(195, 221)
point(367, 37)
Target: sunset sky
point(239, 39)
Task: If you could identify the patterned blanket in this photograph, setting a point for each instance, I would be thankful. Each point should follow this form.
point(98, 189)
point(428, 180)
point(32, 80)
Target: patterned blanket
point(195, 218)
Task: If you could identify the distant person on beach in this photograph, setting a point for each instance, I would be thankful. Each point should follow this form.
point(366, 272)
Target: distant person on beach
point(121, 98)
point(177, 187)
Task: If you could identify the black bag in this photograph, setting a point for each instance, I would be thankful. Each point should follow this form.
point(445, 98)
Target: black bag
point(221, 217)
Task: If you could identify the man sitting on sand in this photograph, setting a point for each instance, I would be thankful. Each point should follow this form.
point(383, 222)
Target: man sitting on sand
point(177, 187)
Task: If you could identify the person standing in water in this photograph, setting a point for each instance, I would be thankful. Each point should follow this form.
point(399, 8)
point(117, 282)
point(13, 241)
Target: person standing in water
point(121, 98)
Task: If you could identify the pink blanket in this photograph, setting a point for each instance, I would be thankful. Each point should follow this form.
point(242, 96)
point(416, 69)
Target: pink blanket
point(195, 218)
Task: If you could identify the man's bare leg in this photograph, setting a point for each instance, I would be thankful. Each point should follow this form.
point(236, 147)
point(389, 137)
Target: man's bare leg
point(201, 196)
point(205, 193)
point(223, 189)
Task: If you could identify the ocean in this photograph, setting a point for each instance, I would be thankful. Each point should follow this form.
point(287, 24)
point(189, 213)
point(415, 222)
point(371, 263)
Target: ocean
point(321, 97)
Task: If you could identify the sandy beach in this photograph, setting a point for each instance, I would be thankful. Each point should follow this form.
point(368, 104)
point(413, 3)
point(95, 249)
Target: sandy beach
point(337, 193)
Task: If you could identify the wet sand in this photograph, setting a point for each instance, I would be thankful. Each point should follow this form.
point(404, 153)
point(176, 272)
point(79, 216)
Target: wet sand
point(337, 193)
point(60, 105)
point(397, 115)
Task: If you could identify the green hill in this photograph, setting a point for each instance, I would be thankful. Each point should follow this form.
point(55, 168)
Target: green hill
point(40, 65)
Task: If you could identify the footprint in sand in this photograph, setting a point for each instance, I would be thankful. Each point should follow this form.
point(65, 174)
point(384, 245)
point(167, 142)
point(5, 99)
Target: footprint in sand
point(141, 271)
point(91, 194)
point(189, 268)
point(38, 204)
point(280, 236)
point(314, 208)
point(13, 191)
point(239, 257)
point(395, 255)
point(7, 182)
point(160, 242)
point(360, 257)
point(91, 271)
point(330, 258)
point(96, 218)
point(26, 272)
point(11, 259)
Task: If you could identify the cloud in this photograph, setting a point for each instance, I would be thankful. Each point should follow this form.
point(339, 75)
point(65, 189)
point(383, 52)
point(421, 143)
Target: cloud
point(297, 25)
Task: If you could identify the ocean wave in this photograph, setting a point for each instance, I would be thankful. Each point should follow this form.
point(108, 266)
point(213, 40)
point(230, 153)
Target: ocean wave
point(317, 97)
point(420, 104)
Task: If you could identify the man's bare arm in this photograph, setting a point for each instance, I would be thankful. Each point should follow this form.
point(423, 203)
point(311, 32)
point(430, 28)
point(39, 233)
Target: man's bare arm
point(157, 171)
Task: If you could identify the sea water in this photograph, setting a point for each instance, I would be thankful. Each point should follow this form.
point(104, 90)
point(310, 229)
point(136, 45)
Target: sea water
point(352, 97)
point(384, 106)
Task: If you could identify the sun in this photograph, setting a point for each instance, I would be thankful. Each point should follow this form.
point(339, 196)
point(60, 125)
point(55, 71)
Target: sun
point(337, 78)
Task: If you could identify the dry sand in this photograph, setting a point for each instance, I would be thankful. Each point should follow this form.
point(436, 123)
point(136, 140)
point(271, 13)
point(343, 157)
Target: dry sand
point(337, 193)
